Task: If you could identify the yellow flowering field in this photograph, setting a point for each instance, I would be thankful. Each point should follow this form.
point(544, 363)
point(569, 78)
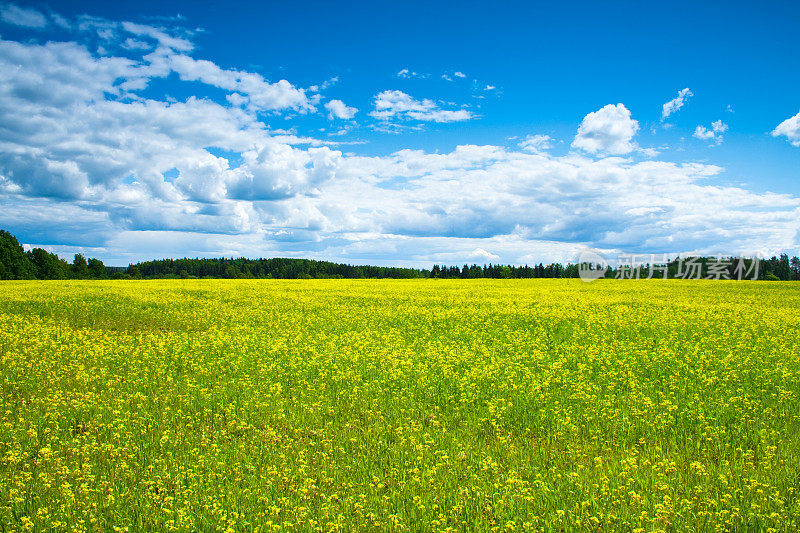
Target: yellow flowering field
point(399, 405)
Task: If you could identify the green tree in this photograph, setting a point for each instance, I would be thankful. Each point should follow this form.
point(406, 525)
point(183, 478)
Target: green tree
point(97, 269)
point(230, 272)
point(784, 270)
point(14, 262)
point(80, 270)
point(47, 265)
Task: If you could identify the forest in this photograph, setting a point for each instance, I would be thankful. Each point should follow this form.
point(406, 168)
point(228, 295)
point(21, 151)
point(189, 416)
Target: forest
point(37, 263)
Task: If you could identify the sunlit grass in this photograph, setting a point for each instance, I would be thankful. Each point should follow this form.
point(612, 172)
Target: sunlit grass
point(399, 405)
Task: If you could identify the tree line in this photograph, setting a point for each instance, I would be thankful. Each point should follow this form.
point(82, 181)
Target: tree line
point(37, 263)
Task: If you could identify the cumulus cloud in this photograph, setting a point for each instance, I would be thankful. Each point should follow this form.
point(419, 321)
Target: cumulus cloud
point(507, 201)
point(169, 54)
point(246, 88)
point(22, 16)
point(399, 105)
point(609, 130)
point(536, 143)
point(338, 109)
point(479, 254)
point(75, 129)
point(279, 171)
point(711, 134)
point(789, 128)
point(676, 103)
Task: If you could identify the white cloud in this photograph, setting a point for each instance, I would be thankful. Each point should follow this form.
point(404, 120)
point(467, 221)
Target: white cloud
point(536, 143)
point(246, 88)
point(324, 85)
point(483, 192)
point(135, 44)
point(711, 134)
point(479, 254)
point(676, 103)
point(164, 39)
point(609, 130)
point(399, 105)
point(338, 109)
point(456, 74)
point(87, 162)
point(407, 74)
point(648, 152)
point(76, 132)
point(789, 128)
point(58, 74)
point(277, 171)
point(22, 16)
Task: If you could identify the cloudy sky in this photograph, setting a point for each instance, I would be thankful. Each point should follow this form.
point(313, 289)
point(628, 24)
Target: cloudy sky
point(404, 133)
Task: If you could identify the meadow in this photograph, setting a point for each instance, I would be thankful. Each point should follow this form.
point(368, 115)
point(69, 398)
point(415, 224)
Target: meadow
point(412, 405)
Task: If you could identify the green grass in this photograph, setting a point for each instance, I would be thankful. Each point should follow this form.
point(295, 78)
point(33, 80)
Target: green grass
point(377, 405)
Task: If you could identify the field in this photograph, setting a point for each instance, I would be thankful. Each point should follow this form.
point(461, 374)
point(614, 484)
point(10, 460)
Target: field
point(375, 405)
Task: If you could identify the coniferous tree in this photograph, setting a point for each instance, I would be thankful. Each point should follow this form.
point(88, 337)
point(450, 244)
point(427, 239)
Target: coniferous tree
point(795, 266)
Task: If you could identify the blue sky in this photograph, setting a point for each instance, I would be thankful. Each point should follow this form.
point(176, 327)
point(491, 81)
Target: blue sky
point(400, 134)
